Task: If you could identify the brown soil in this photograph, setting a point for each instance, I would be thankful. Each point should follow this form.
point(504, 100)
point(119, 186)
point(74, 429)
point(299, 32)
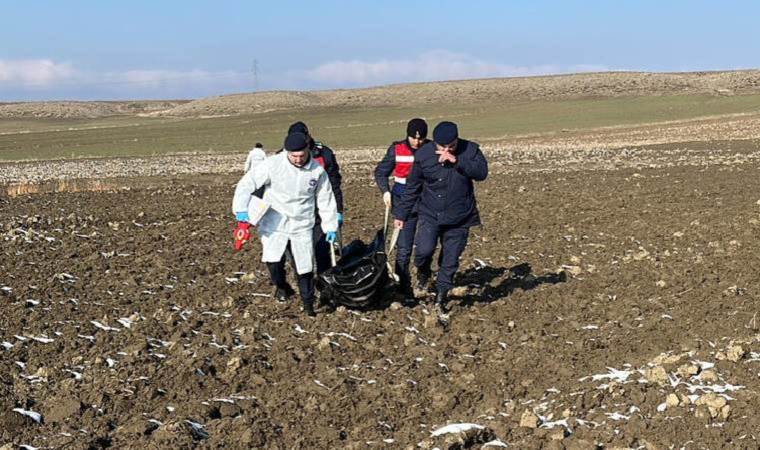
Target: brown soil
point(661, 259)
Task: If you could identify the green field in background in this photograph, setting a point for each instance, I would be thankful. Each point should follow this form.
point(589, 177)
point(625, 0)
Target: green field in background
point(346, 127)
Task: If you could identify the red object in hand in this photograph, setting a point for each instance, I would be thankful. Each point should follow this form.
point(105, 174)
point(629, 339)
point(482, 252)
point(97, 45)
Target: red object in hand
point(241, 234)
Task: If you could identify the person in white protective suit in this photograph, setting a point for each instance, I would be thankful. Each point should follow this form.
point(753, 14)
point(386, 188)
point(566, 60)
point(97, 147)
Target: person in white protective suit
point(255, 156)
point(296, 187)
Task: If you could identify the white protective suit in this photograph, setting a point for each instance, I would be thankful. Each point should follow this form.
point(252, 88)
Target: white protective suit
point(255, 156)
point(293, 194)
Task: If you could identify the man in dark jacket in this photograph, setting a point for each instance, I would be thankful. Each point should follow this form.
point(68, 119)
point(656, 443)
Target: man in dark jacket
point(326, 158)
point(441, 185)
point(398, 161)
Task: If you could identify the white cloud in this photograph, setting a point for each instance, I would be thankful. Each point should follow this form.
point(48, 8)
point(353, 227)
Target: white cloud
point(158, 77)
point(431, 66)
point(34, 72)
point(45, 79)
point(41, 79)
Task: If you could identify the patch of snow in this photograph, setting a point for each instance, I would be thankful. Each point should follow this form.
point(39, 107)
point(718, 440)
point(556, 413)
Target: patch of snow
point(37, 417)
point(704, 365)
point(103, 327)
point(494, 443)
point(456, 428)
point(613, 374)
point(717, 388)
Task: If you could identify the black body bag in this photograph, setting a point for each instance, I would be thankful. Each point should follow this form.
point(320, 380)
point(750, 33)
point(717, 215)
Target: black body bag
point(359, 276)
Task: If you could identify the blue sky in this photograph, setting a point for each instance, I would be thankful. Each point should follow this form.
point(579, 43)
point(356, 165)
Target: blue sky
point(186, 49)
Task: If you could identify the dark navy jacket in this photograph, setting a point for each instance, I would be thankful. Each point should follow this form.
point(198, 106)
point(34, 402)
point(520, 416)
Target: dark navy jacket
point(445, 191)
point(330, 164)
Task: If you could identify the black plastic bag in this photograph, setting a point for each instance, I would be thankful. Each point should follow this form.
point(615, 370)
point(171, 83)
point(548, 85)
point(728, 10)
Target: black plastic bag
point(359, 276)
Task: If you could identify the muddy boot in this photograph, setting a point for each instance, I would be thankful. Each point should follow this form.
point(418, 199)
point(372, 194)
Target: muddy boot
point(308, 308)
point(442, 301)
point(404, 289)
point(282, 294)
point(441, 307)
point(422, 286)
point(407, 295)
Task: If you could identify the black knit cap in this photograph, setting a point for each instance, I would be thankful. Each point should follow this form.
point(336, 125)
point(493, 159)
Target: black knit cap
point(445, 133)
point(417, 128)
point(296, 142)
point(298, 127)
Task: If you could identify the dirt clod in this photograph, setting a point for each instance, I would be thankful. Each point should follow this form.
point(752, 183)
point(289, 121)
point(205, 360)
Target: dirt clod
point(529, 420)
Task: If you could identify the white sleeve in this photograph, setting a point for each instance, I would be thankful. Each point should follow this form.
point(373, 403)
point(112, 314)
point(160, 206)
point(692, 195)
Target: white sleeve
point(248, 162)
point(252, 180)
point(328, 208)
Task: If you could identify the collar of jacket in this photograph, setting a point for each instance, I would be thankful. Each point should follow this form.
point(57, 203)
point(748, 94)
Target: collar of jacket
point(304, 166)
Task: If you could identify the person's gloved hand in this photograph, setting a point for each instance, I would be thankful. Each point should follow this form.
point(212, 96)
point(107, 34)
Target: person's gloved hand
point(340, 219)
point(387, 199)
point(241, 216)
point(331, 237)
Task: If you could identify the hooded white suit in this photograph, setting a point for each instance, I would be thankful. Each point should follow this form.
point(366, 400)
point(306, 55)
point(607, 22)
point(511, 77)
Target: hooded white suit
point(293, 193)
point(255, 156)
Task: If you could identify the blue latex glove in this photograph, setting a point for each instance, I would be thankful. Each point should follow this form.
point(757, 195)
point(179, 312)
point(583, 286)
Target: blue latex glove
point(340, 219)
point(331, 237)
point(241, 216)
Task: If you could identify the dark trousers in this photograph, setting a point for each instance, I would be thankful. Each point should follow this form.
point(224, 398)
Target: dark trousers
point(453, 240)
point(305, 281)
point(404, 246)
point(321, 248)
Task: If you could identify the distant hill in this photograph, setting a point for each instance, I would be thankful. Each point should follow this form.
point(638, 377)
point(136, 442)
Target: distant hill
point(607, 84)
point(83, 110)
point(494, 90)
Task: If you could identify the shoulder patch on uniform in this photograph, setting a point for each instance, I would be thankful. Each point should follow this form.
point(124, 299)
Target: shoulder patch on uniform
point(318, 144)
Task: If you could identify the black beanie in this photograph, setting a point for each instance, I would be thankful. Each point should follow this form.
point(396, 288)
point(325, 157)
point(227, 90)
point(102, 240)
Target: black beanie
point(296, 142)
point(445, 133)
point(298, 127)
point(417, 128)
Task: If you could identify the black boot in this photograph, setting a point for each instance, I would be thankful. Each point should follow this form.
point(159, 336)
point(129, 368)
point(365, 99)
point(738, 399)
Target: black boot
point(282, 294)
point(441, 301)
point(407, 294)
point(308, 308)
point(422, 287)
